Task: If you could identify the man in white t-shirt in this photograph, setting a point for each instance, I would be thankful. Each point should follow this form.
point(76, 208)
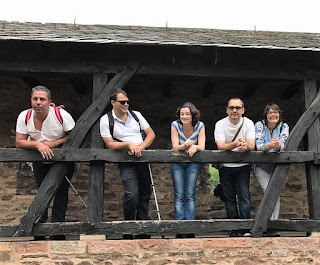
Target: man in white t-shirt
point(127, 135)
point(41, 128)
point(235, 133)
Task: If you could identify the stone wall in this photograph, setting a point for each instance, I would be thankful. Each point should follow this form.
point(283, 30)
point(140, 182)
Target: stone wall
point(237, 251)
point(158, 105)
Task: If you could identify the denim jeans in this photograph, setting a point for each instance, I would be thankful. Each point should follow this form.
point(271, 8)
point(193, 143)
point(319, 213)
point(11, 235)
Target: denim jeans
point(184, 177)
point(235, 183)
point(60, 201)
point(136, 184)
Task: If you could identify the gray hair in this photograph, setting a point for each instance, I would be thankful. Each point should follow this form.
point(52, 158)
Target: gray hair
point(42, 88)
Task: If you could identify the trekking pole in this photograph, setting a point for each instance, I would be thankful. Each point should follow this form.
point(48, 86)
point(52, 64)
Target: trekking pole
point(154, 193)
point(75, 191)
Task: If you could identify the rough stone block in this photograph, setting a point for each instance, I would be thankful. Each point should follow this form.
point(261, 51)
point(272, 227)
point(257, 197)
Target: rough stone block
point(155, 244)
point(227, 243)
point(68, 247)
point(31, 247)
point(186, 244)
point(122, 246)
point(5, 247)
point(301, 243)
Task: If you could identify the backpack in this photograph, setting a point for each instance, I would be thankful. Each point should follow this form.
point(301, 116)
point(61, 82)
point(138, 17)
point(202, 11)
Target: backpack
point(111, 124)
point(56, 111)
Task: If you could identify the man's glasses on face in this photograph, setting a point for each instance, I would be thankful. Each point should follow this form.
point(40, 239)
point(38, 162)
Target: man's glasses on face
point(122, 102)
point(234, 107)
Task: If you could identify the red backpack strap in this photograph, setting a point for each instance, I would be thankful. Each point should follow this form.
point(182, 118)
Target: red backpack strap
point(28, 116)
point(57, 111)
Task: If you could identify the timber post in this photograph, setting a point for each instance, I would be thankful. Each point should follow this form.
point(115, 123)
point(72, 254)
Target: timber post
point(312, 171)
point(96, 180)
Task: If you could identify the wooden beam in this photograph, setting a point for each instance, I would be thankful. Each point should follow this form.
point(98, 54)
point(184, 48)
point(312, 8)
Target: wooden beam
point(91, 67)
point(164, 227)
point(170, 227)
point(96, 180)
point(51, 182)
point(313, 171)
point(279, 175)
point(160, 156)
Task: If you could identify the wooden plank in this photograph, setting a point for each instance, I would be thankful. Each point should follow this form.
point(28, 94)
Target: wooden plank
point(279, 175)
point(89, 117)
point(298, 225)
point(135, 227)
point(91, 67)
point(165, 227)
point(312, 171)
point(96, 180)
point(160, 156)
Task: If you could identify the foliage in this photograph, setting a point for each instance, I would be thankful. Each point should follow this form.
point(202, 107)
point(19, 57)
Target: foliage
point(214, 178)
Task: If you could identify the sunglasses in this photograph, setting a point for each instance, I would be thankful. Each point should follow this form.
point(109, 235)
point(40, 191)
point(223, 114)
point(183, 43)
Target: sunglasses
point(234, 107)
point(122, 102)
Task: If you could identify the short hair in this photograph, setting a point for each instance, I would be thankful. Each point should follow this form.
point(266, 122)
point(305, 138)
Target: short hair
point(195, 113)
point(236, 98)
point(271, 106)
point(41, 88)
point(115, 92)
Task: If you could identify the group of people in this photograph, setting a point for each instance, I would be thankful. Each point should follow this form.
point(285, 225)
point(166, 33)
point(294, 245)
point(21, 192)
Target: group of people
point(46, 126)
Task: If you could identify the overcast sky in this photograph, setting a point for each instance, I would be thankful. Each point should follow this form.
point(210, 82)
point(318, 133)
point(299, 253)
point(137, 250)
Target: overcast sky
point(274, 15)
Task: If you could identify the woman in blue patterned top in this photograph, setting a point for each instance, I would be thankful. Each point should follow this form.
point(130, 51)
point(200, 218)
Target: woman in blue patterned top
point(271, 136)
point(188, 134)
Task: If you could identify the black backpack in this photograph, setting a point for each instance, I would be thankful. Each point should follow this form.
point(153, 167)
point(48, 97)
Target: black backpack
point(111, 124)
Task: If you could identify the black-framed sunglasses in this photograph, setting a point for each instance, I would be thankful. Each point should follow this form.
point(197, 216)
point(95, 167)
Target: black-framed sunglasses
point(122, 102)
point(234, 107)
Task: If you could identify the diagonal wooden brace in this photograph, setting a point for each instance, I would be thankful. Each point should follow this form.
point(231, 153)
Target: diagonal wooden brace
point(279, 175)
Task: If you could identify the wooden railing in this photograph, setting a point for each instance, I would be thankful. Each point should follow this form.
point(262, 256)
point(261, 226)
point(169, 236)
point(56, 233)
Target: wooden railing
point(163, 227)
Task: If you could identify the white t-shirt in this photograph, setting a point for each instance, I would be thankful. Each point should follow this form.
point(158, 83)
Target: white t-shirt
point(225, 131)
point(128, 131)
point(51, 129)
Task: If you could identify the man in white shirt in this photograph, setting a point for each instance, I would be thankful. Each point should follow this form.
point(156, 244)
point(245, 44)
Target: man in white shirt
point(235, 133)
point(127, 135)
point(44, 127)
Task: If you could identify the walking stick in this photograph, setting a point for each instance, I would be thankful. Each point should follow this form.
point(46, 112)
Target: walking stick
point(75, 191)
point(154, 193)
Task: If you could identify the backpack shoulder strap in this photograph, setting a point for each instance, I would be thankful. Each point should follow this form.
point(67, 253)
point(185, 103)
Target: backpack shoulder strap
point(57, 111)
point(111, 122)
point(28, 116)
point(138, 121)
point(134, 116)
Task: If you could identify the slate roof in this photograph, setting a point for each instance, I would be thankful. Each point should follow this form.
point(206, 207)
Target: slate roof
point(56, 32)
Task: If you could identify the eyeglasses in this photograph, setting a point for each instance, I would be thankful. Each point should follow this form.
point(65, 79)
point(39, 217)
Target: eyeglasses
point(234, 107)
point(122, 102)
point(273, 112)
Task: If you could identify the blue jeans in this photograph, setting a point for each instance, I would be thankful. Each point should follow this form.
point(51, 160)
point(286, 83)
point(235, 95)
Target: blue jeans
point(60, 201)
point(184, 177)
point(136, 184)
point(235, 183)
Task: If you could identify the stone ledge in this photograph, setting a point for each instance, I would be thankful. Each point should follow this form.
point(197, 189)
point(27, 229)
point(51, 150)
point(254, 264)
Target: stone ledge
point(164, 251)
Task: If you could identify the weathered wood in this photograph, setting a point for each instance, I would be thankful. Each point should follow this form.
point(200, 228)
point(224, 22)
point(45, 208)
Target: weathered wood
point(136, 227)
point(279, 175)
point(157, 69)
point(89, 117)
point(164, 227)
point(96, 180)
point(312, 171)
point(160, 156)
